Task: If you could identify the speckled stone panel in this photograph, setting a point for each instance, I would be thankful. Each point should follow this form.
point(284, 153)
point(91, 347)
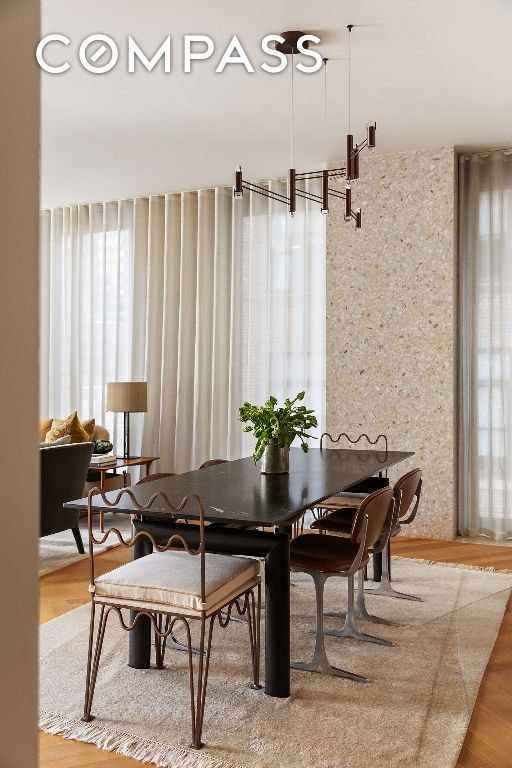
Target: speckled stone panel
point(390, 320)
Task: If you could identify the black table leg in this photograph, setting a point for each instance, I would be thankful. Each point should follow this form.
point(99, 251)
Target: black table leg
point(377, 566)
point(139, 644)
point(276, 550)
point(277, 618)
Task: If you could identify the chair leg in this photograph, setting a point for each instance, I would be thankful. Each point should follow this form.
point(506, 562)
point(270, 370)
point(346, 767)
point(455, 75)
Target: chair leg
point(385, 589)
point(349, 628)
point(92, 665)
point(360, 610)
point(319, 662)
point(172, 642)
point(253, 620)
point(78, 539)
point(202, 681)
point(160, 642)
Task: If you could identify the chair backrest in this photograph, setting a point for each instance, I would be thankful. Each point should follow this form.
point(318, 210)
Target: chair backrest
point(372, 483)
point(377, 507)
point(63, 474)
point(406, 489)
point(213, 463)
point(326, 439)
point(156, 476)
point(98, 501)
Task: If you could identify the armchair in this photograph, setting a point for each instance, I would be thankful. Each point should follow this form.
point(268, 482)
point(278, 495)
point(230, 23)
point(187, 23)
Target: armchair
point(63, 473)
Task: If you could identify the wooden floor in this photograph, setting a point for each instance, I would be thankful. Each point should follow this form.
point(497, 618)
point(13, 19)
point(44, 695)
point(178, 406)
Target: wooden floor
point(489, 739)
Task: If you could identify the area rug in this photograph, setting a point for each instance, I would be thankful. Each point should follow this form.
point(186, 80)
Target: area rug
point(413, 713)
point(59, 550)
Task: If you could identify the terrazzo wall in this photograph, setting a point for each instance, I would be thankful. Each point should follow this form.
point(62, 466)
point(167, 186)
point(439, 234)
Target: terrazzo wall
point(390, 320)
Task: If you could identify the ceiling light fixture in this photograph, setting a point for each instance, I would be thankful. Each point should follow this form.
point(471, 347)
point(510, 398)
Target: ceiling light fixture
point(351, 169)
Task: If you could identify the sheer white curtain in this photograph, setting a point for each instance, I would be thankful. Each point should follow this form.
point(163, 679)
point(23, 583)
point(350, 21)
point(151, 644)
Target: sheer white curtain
point(283, 311)
point(86, 308)
point(212, 301)
point(485, 238)
point(189, 330)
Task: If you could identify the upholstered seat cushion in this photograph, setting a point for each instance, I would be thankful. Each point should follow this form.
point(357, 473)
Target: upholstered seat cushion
point(171, 581)
point(327, 554)
point(338, 502)
point(341, 521)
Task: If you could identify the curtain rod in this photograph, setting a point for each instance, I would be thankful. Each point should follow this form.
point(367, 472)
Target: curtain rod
point(484, 152)
point(135, 197)
point(156, 194)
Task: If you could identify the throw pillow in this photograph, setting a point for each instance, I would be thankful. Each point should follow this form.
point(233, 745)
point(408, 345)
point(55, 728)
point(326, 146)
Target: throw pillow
point(70, 426)
point(89, 426)
point(44, 427)
point(66, 440)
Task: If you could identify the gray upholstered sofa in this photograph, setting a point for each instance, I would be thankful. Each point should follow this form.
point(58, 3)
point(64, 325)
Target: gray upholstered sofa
point(63, 473)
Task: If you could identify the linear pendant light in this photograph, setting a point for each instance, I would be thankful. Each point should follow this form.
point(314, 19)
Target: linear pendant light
point(350, 171)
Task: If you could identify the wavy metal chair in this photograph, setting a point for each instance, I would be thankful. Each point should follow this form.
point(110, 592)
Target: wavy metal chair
point(353, 496)
point(173, 586)
point(323, 557)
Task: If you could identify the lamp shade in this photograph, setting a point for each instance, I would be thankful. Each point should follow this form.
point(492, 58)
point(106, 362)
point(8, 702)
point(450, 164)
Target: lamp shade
point(127, 396)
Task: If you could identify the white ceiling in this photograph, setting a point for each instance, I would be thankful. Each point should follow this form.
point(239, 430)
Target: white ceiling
point(430, 73)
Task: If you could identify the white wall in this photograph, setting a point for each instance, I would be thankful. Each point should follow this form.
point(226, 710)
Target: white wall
point(19, 456)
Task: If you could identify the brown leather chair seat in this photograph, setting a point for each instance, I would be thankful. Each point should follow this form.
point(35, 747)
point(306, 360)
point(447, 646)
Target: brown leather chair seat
point(340, 521)
point(335, 502)
point(326, 554)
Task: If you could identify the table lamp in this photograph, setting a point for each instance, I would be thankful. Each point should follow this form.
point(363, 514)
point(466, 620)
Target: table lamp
point(127, 397)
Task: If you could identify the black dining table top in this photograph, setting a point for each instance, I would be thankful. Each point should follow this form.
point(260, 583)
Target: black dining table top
point(236, 492)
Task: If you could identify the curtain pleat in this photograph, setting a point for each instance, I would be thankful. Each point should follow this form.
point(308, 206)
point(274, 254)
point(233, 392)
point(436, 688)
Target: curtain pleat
point(211, 301)
point(172, 301)
point(154, 321)
point(203, 347)
point(485, 405)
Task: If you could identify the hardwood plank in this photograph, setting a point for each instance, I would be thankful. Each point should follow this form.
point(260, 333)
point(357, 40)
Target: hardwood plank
point(488, 741)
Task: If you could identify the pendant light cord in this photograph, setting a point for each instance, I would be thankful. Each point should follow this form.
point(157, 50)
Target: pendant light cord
point(291, 118)
point(325, 108)
point(349, 74)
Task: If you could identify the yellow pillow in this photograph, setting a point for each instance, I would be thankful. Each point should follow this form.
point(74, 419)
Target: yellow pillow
point(70, 426)
point(44, 427)
point(89, 425)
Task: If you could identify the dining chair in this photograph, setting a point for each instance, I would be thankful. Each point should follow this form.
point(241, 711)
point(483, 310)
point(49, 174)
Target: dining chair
point(180, 584)
point(341, 522)
point(212, 463)
point(155, 476)
point(324, 557)
point(172, 640)
point(407, 490)
point(353, 496)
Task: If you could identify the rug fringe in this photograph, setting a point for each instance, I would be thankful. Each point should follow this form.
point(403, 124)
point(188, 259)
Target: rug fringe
point(463, 566)
point(144, 750)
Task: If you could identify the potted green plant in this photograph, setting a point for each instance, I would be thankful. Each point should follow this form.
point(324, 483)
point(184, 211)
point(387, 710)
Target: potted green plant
point(275, 429)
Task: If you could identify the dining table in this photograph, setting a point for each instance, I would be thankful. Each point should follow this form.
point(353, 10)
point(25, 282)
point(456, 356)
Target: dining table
point(251, 514)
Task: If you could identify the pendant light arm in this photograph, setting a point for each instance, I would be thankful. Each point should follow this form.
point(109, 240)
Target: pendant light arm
point(350, 173)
